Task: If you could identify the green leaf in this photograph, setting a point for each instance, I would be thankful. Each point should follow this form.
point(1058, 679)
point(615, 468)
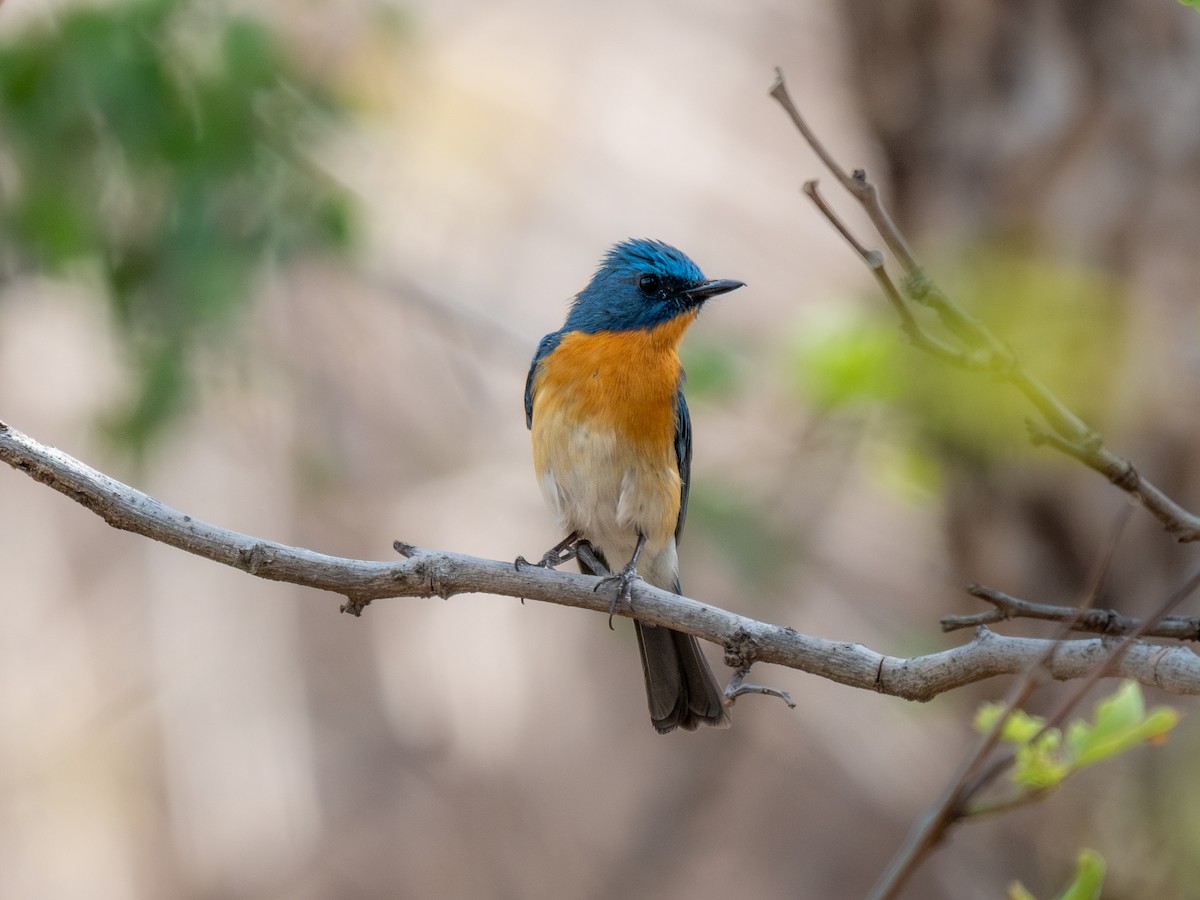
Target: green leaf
point(987, 716)
point(1089, 877)
point(1040, 764)
point(1017, 891)
point(1121, 723)
point(1019, 728)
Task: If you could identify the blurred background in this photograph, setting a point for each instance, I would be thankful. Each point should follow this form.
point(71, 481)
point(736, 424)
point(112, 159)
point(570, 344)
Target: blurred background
point(283, 265)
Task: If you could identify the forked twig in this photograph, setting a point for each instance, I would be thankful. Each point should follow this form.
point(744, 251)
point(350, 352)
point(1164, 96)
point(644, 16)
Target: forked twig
point(977, 347)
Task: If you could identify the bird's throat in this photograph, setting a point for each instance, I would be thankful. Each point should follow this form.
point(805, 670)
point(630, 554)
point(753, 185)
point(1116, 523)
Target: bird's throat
point(622, 379)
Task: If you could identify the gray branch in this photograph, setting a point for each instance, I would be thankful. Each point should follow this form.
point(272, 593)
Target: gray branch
point(425, 573)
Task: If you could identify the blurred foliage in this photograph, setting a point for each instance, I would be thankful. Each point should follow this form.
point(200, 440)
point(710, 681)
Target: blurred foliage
point(711, 370)
point(165, 145)
point(1087, 884)
point(736, 525)
point(1064, 324)
point(1045, 756)
point(849, 362)
point(905, 472)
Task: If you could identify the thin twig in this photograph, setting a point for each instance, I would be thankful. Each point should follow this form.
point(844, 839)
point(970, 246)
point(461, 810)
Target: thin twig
point(930, 829)
point(1093, 621)
point(737, 686)
point(873, 259)
point(981, 349)
point(1185, 590)
point(1179, 523)
point(856, 183)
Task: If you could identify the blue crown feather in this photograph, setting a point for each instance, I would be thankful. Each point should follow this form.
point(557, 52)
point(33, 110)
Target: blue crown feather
point(616, 299)
point(639, 255)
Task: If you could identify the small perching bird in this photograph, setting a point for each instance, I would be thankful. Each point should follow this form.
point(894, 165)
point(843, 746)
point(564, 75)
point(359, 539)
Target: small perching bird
point(612, 447)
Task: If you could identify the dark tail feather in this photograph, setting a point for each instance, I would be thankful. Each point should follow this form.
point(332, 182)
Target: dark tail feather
point(680, 686)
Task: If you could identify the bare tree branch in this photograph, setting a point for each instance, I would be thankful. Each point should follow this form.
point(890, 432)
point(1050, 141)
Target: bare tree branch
point(980, 348)
point(1095, 621)
point(424, 573)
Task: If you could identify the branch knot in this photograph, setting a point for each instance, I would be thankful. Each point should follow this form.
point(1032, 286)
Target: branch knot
point(254, 557)
point(741, 649)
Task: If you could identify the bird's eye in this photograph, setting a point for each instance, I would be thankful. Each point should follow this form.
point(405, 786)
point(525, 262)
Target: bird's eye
point(649, 284)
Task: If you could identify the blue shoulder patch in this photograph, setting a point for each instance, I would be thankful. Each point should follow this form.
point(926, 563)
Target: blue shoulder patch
point(545, 347)
point(683, 455)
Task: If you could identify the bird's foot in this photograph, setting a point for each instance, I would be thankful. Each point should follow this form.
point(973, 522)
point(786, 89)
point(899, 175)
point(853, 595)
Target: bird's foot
point(624, 593)
point(625, 580)
point(562, 552)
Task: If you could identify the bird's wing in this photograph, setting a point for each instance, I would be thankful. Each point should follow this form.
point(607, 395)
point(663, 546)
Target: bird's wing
point(548, 343)
point(683, 454)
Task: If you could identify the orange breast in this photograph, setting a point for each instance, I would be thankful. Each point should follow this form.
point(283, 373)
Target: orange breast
point(623, 379)
point(604, 429)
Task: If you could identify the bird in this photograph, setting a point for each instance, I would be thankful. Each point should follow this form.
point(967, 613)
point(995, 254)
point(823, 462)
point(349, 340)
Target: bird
point(612, 449)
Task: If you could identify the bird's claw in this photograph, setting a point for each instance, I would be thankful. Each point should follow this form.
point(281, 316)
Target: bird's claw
point(552, 558)
point(624, 582)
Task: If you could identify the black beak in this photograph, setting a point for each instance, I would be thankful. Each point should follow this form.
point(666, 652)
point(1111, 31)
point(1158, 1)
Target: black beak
point(705, 289)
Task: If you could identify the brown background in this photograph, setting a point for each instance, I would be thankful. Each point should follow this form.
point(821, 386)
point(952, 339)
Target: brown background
point(169, 727)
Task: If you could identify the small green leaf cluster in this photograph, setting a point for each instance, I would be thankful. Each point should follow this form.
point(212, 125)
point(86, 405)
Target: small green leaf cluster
point(1045, 756)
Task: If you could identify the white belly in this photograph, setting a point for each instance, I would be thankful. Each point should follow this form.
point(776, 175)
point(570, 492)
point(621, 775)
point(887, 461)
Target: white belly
point(599, 488)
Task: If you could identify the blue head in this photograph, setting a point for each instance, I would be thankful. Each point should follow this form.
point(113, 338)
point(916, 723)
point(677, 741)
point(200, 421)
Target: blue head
point(641, 284)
